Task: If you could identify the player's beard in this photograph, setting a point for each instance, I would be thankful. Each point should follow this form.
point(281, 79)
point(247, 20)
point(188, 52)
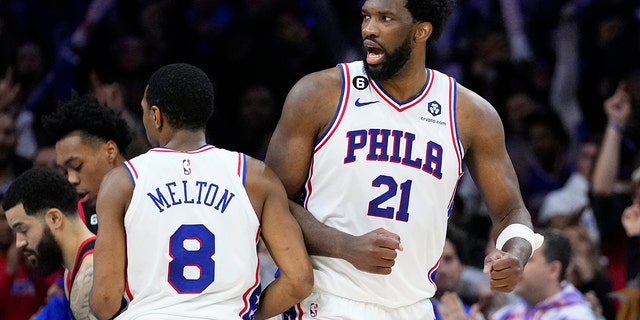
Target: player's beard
point(48, 254)
point(393, 63)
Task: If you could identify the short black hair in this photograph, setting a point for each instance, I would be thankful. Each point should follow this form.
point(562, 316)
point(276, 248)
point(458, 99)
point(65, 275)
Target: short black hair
point(39, 189)
point(556, 247)
point(183, 93)
point(85, 114)
point(435, 11)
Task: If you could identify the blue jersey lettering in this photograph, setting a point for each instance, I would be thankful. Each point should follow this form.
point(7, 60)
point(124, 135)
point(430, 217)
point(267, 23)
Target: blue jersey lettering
point(207, 194)
point(394, 146)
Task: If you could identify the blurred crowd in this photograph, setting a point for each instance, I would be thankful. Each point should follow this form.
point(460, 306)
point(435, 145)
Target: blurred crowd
point(564, 75)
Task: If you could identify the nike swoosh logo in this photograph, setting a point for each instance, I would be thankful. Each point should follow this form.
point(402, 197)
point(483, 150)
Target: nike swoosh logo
point(362, 104)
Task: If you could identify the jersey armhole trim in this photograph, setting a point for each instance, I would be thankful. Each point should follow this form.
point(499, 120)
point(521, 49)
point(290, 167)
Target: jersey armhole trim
point(131, 170)
point(457, 145)
point(242, 168)
point(342, 107)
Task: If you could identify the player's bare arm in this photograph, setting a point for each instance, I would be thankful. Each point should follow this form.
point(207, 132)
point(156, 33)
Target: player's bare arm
point(307, 113)
point(283, 238)
point(79, 298)
point(489, 164)
point(109, 254)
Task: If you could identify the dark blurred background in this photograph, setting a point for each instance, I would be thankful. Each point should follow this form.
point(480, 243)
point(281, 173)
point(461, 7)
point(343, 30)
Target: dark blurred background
point(547, 66)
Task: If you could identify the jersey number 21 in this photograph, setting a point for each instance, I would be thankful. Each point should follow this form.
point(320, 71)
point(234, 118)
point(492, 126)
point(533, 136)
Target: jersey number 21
point(375, 206)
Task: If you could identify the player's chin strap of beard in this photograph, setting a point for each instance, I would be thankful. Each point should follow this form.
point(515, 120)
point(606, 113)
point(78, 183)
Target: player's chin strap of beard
point(520, 231)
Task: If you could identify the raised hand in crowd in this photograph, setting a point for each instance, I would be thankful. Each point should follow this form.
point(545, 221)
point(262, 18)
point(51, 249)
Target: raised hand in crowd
point(618, 106)
point(9, 92)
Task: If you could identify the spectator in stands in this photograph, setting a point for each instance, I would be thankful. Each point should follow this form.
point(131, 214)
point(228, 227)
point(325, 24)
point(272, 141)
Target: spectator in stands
point(544, 293)
point(587, 272)
point(446, 302)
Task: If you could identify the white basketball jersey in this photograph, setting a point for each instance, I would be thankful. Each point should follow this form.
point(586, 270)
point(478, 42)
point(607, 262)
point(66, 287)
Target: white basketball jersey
point(192, 237)
point(387, 164)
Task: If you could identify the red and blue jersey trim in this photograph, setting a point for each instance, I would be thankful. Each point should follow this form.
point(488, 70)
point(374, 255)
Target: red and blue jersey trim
point(431, 275)
point(453, 92)
point(402, 106)
point(252, 295)
point(133, 174)
point(335, 122)
point(242, 167)
point(204, 148)
point(457, 145)
point(342, 107)
point(127, 290)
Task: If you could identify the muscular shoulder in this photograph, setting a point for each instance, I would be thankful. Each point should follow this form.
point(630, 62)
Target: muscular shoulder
point(318, 85)
point(261, 183)
point(315, 97)
point(114, 198)
point(478, 121)
point(118, 176)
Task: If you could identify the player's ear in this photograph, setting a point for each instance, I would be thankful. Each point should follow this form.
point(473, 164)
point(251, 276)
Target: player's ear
point(53, 218)
point(157, 116)
point(111, 148)
point(423, 32)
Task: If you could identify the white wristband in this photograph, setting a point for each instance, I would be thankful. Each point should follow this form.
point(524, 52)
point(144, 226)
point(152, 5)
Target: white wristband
point(520, 231)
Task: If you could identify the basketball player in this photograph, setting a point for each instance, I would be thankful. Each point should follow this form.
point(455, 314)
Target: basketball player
point(374, 150)
point(90, 141)
point(41, 208)
point(179, 225)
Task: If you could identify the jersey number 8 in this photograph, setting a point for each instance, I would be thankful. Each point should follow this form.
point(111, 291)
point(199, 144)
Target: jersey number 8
point(192, 268)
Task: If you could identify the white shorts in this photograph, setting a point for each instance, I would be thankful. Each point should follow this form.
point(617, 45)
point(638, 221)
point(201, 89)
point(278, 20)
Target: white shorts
point(325, 306)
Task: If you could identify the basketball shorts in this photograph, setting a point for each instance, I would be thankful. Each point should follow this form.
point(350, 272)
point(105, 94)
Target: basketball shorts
point(325, 306)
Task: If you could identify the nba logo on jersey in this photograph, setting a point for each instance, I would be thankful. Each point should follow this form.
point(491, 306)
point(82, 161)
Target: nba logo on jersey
point(313, 309)
point(186, 166)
